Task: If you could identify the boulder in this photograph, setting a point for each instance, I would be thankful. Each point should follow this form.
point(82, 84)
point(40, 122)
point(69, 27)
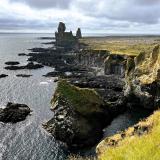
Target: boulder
point(14, 113)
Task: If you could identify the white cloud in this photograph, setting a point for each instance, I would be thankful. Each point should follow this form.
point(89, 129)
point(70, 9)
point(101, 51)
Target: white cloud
point(108, 16)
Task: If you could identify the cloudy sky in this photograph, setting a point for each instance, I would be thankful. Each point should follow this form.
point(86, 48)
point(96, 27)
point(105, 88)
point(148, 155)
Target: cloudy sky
point(93, 16)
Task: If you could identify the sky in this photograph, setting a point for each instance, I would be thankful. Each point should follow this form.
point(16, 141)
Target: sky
point(92, 16)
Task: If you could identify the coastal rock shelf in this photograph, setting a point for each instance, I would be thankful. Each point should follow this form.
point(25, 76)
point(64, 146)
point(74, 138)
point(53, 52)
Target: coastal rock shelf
point(14, 113)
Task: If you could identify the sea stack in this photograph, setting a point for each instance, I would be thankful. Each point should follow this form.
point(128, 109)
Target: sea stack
point(66, 40)
point(78, 33)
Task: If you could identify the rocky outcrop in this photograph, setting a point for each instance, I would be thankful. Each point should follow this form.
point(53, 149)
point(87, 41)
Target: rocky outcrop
point(78, 33)
point(123, 139)
point(143, 80)
point(14, 113)
point(66, 40)
point(3, 75)
point(115, 64)
point(30, 65)
point(79, 116)
point(24, 75)
point(93, 59)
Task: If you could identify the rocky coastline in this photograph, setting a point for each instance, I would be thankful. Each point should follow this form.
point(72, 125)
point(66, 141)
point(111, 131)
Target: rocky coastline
point(112, 77)
point(94, 86)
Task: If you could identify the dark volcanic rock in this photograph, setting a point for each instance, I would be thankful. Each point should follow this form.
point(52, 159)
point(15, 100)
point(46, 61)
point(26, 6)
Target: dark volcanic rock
point(12, 63)
point(40, 49)
point(22, 54)
point(30, 65)
point(79, 116)
point(3, 75)
point(14, 113)
point(23, 75)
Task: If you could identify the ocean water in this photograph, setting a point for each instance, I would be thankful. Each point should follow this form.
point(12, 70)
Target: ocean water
point(26, 140)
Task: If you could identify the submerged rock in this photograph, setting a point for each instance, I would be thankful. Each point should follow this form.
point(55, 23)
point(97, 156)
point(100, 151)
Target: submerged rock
point(14, 113)
point(23, 75)
point(79, 116)
point(30, 65)
point(22, 54)
point(12, 63)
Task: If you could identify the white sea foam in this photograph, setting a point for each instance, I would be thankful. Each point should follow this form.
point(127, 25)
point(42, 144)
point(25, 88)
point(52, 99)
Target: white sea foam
point(44, 83)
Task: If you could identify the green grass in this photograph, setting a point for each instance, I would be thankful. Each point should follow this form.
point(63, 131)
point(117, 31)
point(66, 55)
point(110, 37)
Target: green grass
point(84, 100)
point(123, 46)
point(145, 147)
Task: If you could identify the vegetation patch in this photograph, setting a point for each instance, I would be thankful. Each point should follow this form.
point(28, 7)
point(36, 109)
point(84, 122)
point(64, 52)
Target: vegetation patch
point(121, 45)
point(84, 100)
point(140, 142)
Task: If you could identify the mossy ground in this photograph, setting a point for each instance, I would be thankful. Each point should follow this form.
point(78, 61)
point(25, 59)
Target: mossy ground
point(135, 147)
point(121, 45)
point(84, 100)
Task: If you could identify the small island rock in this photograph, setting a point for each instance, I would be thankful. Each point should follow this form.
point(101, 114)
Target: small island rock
point(14, 113)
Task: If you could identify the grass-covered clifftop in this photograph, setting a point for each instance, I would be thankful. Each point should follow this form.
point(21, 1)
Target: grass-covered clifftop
point(84, 100)
point(140, 142)
point(122, 45)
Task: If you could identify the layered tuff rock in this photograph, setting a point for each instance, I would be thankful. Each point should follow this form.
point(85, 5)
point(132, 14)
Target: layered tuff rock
point(14, 113)
point(115, 64)
point(79, 116)
point(143, 78)
point(93, 59)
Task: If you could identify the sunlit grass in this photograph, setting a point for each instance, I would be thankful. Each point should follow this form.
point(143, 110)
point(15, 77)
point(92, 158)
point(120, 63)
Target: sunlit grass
point(123, 46)
point(145, 147)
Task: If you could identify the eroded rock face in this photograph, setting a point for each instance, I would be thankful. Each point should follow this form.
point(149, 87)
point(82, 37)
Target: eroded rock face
point(139, 129)
point(115, 64)
point(142, 78)
point(79, 116)
point(14, 113)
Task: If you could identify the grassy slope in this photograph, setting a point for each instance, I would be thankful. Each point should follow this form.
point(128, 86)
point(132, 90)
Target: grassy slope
point(84, 100)
point(145, 147)
point(121, 45)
